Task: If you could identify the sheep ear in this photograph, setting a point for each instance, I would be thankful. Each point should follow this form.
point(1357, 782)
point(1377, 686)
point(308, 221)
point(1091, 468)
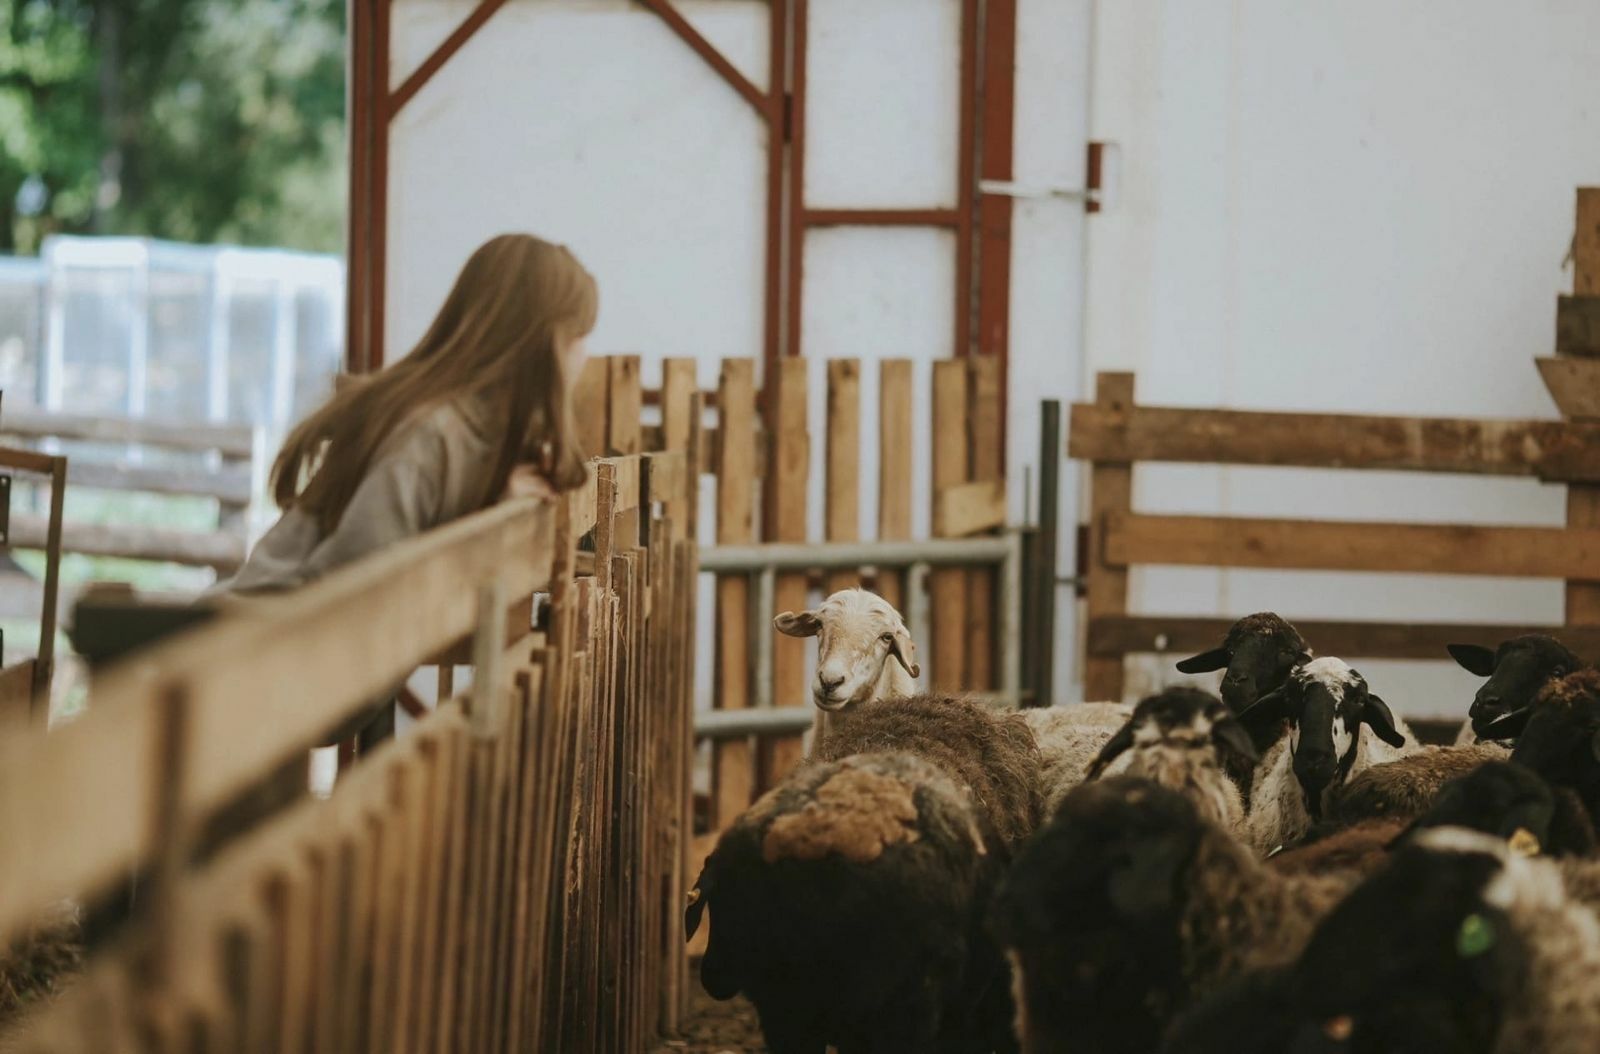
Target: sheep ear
point(1508, 726)
point(904, 650)
point(1229, 734)
point(1205, 662)
point(1264, 712)
point(1472, 658)
point(798, 623)
point(1378, 718)
point(1108, 753)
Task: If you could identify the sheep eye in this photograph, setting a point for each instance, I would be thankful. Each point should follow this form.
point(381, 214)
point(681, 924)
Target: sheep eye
point(887, 638)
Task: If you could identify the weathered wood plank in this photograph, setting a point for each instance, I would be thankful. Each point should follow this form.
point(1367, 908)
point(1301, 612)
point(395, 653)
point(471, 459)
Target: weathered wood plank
point(590, 406)
point(1586, 244)
point(1574, 384)
point(733, 763)
point(232, 441)
point(842, 500)
point(1583, 502)
point(965, 509)
point(986, 403)
point(1223, 541)
point(1181, 636)
point(1110, 494)
point(948, 586)
point(623, 400)
point(1552, 450)
point(787, 484)
point(1578, 325)
point(894, 466)
point(221, 550)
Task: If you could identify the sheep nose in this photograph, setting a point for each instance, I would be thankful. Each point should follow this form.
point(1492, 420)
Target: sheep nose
point(829, 683)
point(1488, 706)
point(1233, 678)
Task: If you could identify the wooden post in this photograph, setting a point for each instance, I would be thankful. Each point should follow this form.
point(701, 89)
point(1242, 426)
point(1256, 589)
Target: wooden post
point(948, 586)
point(894, 468)
point(589, 406)
point(788, 470)
point(1110, 494)
point(1583, 500)
point(987, 461)
point(623, 399)
point(732, 764)
point(842, 517)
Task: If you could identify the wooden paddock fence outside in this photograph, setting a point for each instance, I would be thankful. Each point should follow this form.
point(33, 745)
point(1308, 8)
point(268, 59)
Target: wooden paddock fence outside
point(25, 683)
point(508, 876)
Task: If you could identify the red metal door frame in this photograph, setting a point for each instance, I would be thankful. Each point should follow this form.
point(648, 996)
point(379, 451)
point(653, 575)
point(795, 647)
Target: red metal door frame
point(981, 222)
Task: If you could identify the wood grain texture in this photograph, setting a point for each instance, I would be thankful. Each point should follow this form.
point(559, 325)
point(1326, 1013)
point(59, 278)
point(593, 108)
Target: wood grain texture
point(733, 761)
point(842, 494)
point(1574, 384)
point(1583, 502)
point(1578, 325)
point(948, 586)
point(1110, 495)
point(787, 485)
point(985, 407)
point(894, 467)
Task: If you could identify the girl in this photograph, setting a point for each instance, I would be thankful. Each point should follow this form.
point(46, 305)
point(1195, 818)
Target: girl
point(478, 411)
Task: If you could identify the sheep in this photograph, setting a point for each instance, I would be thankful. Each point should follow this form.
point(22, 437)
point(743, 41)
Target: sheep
point(1516, 672)
point(1497, 798)
point(40, 962)
point(1128, 905)
point(1182, 738)
point(990, 755)
point(847, 903)
point(1458, 944)
point(859, 632)
point(1069, 738)
point(1258, 654)
point(1327, 704)
point(1406, 787)
point(1559, 736)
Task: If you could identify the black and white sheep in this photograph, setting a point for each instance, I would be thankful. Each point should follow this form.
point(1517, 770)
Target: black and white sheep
point(1517, 671)
point(1458, 944)
point(1337, 728)
point(848, 902)
point(1127, 906)
point(1183, 739)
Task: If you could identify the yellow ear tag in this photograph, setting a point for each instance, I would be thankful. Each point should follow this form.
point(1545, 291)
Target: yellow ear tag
point(1523, 842)
point(1339, 1029)
point(694, 896)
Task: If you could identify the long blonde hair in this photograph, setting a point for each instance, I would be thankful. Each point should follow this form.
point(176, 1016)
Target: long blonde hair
point(515, 304)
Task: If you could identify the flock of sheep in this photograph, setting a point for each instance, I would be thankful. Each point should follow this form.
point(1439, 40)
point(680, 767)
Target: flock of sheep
point(1283, 869)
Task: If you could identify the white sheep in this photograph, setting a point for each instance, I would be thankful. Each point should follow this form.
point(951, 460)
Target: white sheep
point(1070, 737)
point(1327, 705)
point(857, 633)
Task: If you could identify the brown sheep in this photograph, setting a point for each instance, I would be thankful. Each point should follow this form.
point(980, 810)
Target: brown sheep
point(1404, 788)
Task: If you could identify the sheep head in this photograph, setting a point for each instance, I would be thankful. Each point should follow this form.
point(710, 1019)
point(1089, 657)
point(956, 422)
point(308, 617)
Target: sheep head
point(1560, 735)
point(1326, 703)
point(1517, 670)
point(1172, 726)
point(1258, 655)
point(857, 634)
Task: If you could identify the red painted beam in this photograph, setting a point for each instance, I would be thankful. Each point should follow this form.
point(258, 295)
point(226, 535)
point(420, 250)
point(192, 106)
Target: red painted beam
point(998, 91)
point(714, 58)
point(966, 178)
point(777, 144)
point(441, 54)
point(881, 217)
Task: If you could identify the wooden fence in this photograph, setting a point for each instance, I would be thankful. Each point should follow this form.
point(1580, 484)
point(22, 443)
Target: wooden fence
point(224, 463)
point(25, 684)
point(1114, 434)
point(506, 877)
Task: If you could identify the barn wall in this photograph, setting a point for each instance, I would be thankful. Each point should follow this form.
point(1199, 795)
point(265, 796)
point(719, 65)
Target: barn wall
point(1341, 206)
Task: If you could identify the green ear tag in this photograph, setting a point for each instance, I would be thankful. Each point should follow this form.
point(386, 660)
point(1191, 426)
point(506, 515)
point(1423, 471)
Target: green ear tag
point(1475, 937)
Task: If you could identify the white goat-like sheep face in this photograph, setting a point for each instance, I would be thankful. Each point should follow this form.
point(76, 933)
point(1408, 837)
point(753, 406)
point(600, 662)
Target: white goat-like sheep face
point(857, 634)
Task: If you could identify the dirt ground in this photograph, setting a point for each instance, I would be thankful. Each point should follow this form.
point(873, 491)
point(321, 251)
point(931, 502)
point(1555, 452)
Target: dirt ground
point(716, 1028)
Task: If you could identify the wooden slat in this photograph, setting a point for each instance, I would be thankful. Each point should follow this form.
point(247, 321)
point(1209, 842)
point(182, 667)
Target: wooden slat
point(677, 389)
point(622, 404)
point(16, 694)
point(894, 466)
point(733, 763)
point(221, 550)
point(229, 440)
point(1552, 450)
point(842, 508)
point(1110, 494)
point(1583, 502)
point(231, 486)
point(1574, 384)
point(978, 511)
point(1578, 325)
point(590, 405)
point(787, 483)
point(948, 586)
point(1222, 541)
point(965, 509)
point(1184, 636)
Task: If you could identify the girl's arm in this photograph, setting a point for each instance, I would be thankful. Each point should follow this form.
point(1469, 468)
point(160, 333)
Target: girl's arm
point(397, 499)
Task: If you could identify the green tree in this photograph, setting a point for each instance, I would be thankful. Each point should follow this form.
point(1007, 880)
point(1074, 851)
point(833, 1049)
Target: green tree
point(198, 120)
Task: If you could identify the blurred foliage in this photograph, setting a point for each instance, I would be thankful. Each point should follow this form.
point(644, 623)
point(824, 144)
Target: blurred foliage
point(196, 120)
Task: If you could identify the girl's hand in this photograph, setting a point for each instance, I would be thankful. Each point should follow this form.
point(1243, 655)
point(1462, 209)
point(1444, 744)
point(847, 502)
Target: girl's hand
point(526, 482)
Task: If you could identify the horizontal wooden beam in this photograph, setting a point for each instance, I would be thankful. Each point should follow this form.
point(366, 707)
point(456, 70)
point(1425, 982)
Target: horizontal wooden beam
point(220, 550)
point(1553, 450)
point(1311, 545)
point(232, 441)
point(881, 217)
point(1578, 325)
point(964, 509)
point(1574, 384)
point(1182, 636)
point(230, 486)
point(264, 681)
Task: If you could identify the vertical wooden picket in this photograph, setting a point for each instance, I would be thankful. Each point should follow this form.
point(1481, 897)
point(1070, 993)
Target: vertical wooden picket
point(894, 468)
point(733, 768)
point(842, 515)
point(948, 586)
point(784, 520)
